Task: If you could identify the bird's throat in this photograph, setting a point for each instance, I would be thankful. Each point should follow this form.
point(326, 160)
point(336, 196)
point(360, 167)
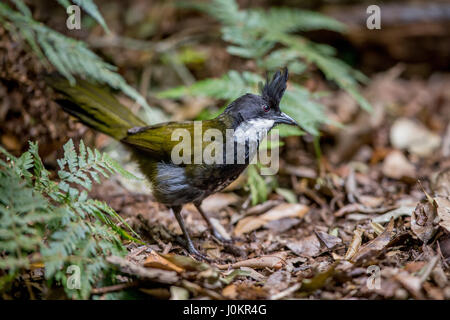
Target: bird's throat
point(254, 130)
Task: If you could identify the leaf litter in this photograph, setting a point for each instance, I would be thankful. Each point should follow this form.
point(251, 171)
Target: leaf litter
point(321, 229)
point(381, 206)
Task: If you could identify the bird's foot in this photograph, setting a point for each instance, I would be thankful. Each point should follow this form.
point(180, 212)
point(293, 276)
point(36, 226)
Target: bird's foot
point(220, 237)
point(196, 254)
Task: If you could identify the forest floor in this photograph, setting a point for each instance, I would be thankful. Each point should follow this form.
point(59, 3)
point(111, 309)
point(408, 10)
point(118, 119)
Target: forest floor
point(369, 219)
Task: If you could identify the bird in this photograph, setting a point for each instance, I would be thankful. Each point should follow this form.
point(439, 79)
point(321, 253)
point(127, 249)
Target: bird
point(249, 117)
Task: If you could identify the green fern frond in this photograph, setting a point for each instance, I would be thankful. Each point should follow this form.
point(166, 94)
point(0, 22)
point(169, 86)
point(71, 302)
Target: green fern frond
point(69, 229)
point(69, 56)
point(90, 7)
point(287, 20)
point(253, 33)
point(228, 87)
point(258, 187)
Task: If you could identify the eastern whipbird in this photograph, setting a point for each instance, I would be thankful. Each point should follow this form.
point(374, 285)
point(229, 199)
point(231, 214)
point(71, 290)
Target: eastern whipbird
point(250, 117)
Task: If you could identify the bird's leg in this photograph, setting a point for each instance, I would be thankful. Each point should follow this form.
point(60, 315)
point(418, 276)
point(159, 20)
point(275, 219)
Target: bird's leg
point(189, 244)
point(210, 225)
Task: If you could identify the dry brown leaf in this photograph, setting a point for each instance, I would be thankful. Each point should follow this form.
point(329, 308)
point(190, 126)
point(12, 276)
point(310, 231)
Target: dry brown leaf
point(414, 137)
point(423, 220)
point(440, 183)
point(154, 260)
point(355, 244)
point(262, 207)
point(284, 210)
point(328, 240)
point(397, 166)
point(402, 211)
point(219, 227)
point(10, 142)
point(275, 261)
point(230, 291)
point(414, 266)
point(375, 246)
point(152, 274)
point(443, 211)
point(319, 280)
point(410, 283)
point(371, 201)
point(218, 201)
point(282, 225)
point(308, 246)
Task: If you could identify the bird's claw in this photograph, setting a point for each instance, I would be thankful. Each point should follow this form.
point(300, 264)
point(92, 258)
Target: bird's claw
point(196, 254)
point(220, 237)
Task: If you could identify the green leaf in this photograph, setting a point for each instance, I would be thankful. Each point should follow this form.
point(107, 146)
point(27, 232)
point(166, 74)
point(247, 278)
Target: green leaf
point(287, 194)
point(257, 185)
point(91, 8)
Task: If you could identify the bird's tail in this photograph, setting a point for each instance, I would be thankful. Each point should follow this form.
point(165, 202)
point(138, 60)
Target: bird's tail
point(95, 106)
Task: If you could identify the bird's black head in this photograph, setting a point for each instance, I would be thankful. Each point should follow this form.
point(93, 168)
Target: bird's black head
point(265, 106)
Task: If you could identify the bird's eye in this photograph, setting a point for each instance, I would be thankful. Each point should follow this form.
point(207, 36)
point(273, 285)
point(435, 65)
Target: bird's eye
point(266, 108)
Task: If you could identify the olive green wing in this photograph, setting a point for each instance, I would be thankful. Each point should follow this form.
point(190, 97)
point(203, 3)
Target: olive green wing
point(159, 140)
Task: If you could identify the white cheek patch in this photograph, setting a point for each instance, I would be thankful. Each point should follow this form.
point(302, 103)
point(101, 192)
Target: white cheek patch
point(253, 131)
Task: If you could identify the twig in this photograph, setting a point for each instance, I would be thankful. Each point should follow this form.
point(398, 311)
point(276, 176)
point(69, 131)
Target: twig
point(114, 288)
point(285, 293)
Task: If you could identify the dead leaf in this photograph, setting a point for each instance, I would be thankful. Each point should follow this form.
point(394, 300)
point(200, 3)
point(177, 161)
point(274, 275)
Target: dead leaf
point(158, 293)
point(375, 246)
point(10, 142)
point(308, 246)
point(186, 263)
point(402, 211)
point(219, 227)
point(410, 135)
point(414, 266)
point(178, 293)
point(282, 225)
point(443, 211)
point(357, 207)
point(154, 260)
point(284, 210)
point(439, 276)
point(218, 201)
point(262, 207)
point(152, 274)
point(275, 261)
point(371, 201)
point(319, 280)
point(278, 281)
point(230, 291)
point(354, 244)
point(423, 220)
point(410, 283)
point(397, 166)
point(328, 240)
point(433, 292)
point(378, 228)
point(441, 182)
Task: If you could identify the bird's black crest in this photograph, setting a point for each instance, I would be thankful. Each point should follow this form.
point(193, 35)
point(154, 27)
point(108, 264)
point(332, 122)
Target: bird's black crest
point(273, 91)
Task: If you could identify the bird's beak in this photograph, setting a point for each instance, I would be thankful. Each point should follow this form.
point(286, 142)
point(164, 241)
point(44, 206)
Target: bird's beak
point(284, 118)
